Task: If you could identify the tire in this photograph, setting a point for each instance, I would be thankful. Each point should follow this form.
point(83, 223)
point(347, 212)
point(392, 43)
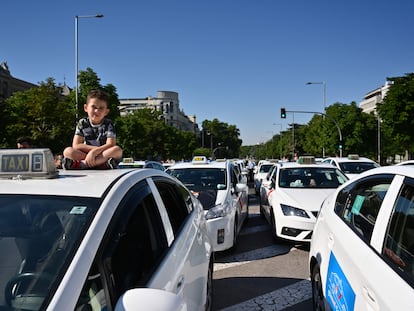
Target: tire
point(234, 246)
point(209, 289)
point(318, 300)
point(273, 224)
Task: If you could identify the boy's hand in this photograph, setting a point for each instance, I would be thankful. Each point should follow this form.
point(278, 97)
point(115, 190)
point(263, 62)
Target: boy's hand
point(90, 159)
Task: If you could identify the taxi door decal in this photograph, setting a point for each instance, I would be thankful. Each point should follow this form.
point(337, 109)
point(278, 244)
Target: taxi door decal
point(339, 293)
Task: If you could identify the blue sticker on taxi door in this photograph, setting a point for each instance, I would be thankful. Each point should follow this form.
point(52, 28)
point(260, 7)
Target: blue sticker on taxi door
point(339, 293)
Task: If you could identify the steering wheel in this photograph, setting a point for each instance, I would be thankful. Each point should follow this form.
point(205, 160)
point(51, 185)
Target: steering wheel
point(10, 291)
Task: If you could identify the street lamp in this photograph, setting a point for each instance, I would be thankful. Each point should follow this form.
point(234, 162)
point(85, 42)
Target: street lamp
point(324, 111)
point(76, 54)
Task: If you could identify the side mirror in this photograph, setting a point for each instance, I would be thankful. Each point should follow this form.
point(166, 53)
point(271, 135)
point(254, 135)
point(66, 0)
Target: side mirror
point(150, 299)
point(267, 183)
point(241, 188)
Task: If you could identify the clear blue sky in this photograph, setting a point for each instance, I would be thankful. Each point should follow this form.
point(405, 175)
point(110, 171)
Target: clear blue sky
point(236, 60)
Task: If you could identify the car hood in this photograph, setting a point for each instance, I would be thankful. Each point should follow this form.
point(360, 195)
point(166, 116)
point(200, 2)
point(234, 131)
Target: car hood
point(307, 199)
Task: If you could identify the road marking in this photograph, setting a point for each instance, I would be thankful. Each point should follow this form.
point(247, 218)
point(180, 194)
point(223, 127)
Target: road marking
point(246, 257)
point(277, 300)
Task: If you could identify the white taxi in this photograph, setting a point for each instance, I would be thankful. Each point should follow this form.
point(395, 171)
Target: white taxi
point(297, 192)
point(223, 196)
point(261, 172)
point(362, 250)
point(352, 165)
point(99, 239)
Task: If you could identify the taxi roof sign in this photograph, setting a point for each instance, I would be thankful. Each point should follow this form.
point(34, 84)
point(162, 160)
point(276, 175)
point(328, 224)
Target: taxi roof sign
point(353, 156)
point(200, 160)
point(27, 163)
point(306, 160)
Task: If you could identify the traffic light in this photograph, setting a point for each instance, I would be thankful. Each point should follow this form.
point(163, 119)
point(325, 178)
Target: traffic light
point(340, 144)
point(283, 113)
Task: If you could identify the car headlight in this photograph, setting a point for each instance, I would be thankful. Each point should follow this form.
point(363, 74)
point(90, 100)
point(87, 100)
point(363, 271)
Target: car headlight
point(217, 211)
point(293, 211)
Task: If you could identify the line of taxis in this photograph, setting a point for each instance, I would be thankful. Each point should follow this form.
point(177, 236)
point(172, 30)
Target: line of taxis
point(122, 239)
point(361, 231)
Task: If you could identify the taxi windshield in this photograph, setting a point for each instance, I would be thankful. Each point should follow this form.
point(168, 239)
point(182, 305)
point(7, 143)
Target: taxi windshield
point(311, 177)
point(201, 179)
point(38, 238)
point(356, 167)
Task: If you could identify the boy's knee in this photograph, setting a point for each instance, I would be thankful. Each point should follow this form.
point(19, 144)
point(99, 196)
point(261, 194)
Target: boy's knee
point(67, 151)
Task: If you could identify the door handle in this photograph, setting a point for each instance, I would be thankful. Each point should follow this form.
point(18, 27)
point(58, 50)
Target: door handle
point(370, 298)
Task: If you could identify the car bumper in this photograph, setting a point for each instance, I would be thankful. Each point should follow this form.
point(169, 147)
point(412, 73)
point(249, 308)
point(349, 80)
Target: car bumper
point(294, 228)
point(221, 232)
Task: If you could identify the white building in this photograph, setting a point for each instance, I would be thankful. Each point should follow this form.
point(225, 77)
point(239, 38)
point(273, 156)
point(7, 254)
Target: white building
point(371, 99)
point(168, 104)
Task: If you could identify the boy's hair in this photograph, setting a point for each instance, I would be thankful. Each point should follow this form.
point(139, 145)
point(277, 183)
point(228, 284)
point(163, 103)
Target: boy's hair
point(24, 139)
point(99, 94)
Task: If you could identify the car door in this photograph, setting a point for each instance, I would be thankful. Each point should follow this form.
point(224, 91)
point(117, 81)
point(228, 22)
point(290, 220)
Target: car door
point(353, 262)
point(395, 236)
point(189, 257)
point(133, 249)
point(239, 193)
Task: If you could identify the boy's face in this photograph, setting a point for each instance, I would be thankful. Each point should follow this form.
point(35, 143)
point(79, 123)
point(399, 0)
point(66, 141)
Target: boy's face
point(96, 109)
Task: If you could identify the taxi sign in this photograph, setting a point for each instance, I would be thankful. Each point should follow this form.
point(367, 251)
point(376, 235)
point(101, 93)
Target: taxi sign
point(200, 160)
point(353, 156)
point(306, 160)
point(27, 163)
point(128, 160)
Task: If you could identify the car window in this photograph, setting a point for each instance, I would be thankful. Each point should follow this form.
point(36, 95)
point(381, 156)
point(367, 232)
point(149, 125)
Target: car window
point(357, 167)
point(265, 168)
point(133, 247)
point(358, 204)
point(398, 249)
point(201, 179)
point(177, 201)
point(39, 236)
point(311, 177)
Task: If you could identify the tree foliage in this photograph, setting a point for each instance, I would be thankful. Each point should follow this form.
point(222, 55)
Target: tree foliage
point(41, 113)
point(222, 138)
point(397, 115)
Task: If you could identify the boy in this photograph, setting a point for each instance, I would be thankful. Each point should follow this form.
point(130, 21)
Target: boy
point(94, 142)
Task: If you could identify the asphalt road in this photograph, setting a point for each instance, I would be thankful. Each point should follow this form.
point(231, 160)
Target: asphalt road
point(261, 274)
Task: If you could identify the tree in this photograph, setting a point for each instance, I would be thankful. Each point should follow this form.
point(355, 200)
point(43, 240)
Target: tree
point(224, 135)
point(41, 113)
point(397, 115)
point(144, 135)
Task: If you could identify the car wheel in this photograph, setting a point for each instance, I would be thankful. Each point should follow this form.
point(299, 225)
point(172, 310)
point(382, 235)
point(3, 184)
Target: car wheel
point(318, 300)
point(234, 246)
point(209, 289)
point(273, 223)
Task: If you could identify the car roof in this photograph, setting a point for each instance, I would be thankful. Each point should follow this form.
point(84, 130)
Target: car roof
point(213, 164)
point(83, 183)
point(298, 165)
point(346, 159)
point(405, 170)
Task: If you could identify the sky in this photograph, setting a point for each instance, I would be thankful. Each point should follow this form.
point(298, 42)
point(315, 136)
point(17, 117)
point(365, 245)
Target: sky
point(239, 61)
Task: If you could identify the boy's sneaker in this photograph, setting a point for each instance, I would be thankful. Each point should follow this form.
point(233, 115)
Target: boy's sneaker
point(111, 164)
point(69, 164)
point(108, 165)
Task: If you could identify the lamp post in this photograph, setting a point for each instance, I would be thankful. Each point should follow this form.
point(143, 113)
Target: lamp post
point(324, 111)
point(77, 17)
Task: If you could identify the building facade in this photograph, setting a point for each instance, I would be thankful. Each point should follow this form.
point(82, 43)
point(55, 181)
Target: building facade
point(9, 84)
point(168, 104)
point(371, 99)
